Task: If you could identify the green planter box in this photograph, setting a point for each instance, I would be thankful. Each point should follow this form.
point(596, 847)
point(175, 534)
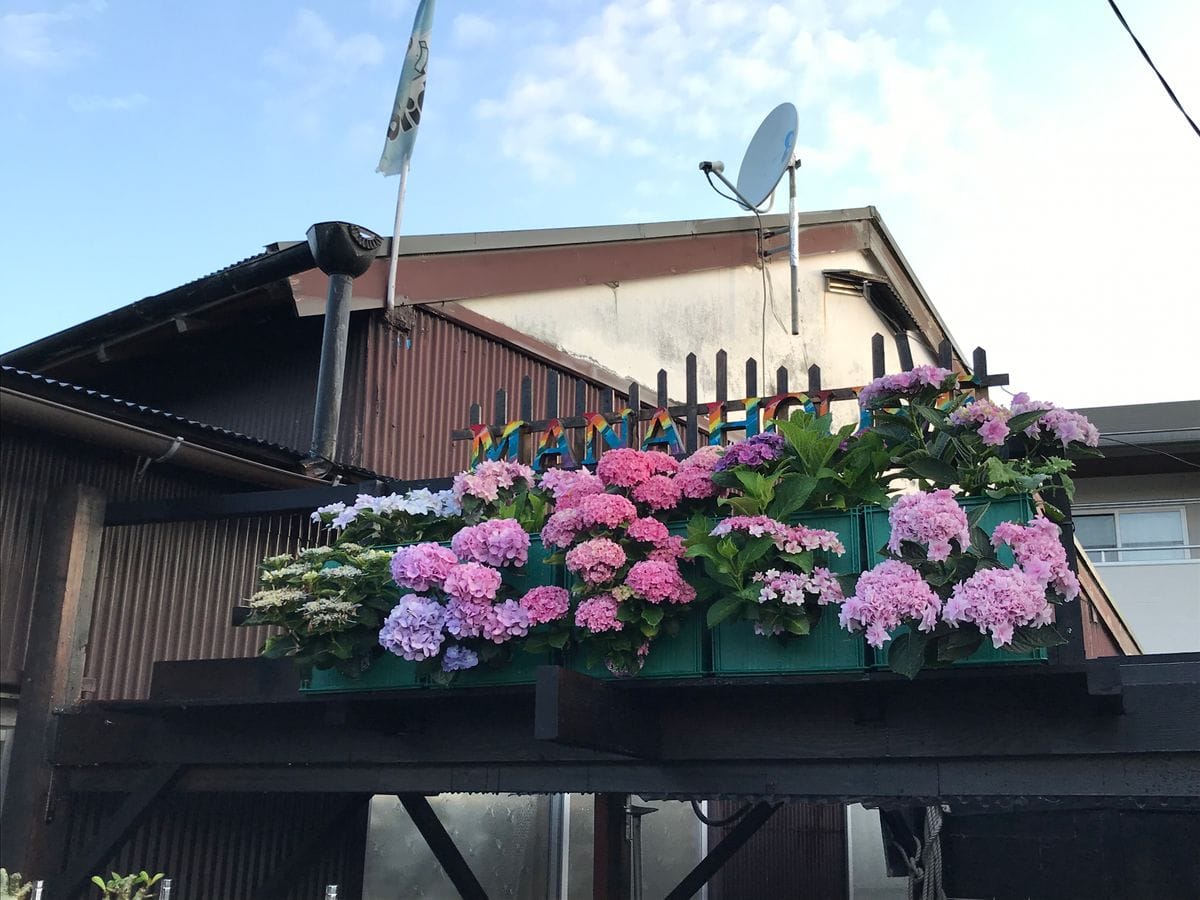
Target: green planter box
point(848, 526)
point(681, 656)
point(388, 673)
point(1010, 509)
point(521, 669)
point(737, 650)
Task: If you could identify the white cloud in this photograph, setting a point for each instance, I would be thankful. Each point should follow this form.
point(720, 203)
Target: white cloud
point(473, 30)
point(121, 103)
point(314, 63)
point(938, 22)
point(43, 40)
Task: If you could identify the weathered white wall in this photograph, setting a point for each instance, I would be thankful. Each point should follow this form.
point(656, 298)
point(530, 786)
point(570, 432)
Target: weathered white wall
point(635, 328)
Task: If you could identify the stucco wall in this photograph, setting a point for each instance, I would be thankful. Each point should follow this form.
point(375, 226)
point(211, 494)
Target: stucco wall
point(637, 327)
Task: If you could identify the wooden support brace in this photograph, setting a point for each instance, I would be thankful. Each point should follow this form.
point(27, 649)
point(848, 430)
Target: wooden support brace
point(745, 829)
point(443, 848)
point(285, 875)
point(572, 709)
point(133, 809)
point(610, 848)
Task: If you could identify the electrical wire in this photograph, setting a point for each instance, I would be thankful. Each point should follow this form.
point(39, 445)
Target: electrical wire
point(719, 823)
point(1146, 56)
point(1107, 437)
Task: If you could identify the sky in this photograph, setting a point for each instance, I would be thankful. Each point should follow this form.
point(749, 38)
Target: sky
point(1031, 168)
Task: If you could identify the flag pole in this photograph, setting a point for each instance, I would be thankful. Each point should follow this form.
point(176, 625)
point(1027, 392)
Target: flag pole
point(391, 282)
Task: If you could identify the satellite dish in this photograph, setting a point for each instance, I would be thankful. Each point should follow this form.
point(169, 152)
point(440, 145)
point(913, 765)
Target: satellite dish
point(771, 151)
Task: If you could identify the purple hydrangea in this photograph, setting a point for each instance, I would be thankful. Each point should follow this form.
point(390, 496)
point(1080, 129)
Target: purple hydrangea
point(458, 657)
point(413, 629)
point(762, 448)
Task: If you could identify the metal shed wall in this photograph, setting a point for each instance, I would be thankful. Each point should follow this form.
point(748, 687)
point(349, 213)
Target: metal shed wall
point(229, 846)
point(31, 463)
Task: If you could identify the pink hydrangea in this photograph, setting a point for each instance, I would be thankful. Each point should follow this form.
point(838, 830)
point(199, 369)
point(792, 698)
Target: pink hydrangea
point(997, 601)
point(487, 479)
point(471, 581)
point(420, 567)
point(657, 580)
point(695, 483)
point(465, 618)
point(495, 542)
point(905, 383)
point(560, 529)
point(787, 538)
point(826, 586)
point(990, 419)
point(569, 486)
point(505, 621)
point(607, 510)
point(931, 519)
point(545, 604)
point(659, 492)
point(1067, 426)
point(1038, 550)
point(669, 550)
point(598, 614)
point(648, 530)
point(794, 587)
point(662, 463)
point(887, 596)
point(625, 467)
point(596, 561)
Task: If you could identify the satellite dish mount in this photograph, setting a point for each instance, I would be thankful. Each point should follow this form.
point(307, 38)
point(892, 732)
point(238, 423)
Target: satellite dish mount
point(771, 152)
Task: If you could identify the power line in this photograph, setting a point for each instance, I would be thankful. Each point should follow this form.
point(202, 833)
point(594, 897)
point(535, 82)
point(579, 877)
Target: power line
point(1146, 56)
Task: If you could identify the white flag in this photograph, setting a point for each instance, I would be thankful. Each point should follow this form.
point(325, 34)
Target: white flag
point(410, 95)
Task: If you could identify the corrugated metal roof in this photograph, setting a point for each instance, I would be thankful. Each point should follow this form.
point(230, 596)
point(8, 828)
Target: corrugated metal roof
point(150, 417)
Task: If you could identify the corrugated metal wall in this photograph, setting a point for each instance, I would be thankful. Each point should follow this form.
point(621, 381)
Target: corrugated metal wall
point(799, 854)
point(31, 464)
point(165, 591)
point(228, 846)
point(418, 389)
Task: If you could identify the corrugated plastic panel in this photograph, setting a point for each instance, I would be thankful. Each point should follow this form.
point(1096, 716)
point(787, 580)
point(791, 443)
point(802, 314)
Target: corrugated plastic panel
point(229, 846)
point(419, 387)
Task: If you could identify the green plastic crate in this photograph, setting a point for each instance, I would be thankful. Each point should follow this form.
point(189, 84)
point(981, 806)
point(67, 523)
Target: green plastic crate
point(1011, 509)
point(848, 526)
point(682, 656)
point(388, 673)
point(737, 650)
point(521, 669)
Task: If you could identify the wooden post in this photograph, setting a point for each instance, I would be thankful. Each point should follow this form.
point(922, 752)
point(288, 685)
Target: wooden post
point(610, 856)
point(878, 361)
point(447, 854)
point(60, 620)
point(692, 394)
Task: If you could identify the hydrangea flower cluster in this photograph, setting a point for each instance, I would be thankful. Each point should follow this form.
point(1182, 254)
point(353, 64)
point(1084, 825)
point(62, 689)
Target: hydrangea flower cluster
point(998, 601)
point(595, 511)
point(546, 603)
point(932, 519)
point(598, 614)
point(419, 502)
point(988, 418)
point(489, 478)
point(413, 629)
point(420, 567)
point(754, 451)
point(659, 581)
point(794, 588)
point(1066, 425)
point(1038, 551)
point(694, 477)
point(596, 561)
point(494, 542)
point(569, 486)
point(787, 538)
point(904, 384)
point(885, 597)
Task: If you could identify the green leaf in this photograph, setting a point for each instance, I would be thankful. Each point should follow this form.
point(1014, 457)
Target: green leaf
point(802, 560)
point(791, 494)
point(722, 610)
point(1053, 512)
point(99, 882)
point(625, 613)
point(798, 625)
point(754, 550)
point(1027, 639)
point(652, 614)
point(279, 645)
point(558, 639)
point(648, 630)
point(976, 514)
point(906, 655)
point(1022, 421)
point(958, 644)
point(930, 468)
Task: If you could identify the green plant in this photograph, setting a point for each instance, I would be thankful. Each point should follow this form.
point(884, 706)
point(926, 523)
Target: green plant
point(11, 887)
point(127, 887)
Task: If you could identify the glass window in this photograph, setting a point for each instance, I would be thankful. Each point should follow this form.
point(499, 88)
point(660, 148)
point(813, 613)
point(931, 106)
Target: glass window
point(1133, 535)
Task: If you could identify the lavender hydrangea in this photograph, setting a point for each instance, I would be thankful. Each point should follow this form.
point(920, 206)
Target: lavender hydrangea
point(457, 657)
point(413, 629)
point(754, 451)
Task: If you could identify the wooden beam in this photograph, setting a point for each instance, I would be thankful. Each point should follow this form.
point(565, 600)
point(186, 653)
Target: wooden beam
point(576, 710)
point(60, 620)
point(442, 845)
point(133, 809)
point(610, 848)
point(745, 829)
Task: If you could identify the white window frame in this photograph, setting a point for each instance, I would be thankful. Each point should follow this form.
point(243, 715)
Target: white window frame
point(1116, 513)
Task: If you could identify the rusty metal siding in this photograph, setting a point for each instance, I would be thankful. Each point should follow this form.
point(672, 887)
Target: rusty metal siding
point(31, 463)
point(227, 846)
point(799, 854)
point(418, 388)
point(164, 591)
